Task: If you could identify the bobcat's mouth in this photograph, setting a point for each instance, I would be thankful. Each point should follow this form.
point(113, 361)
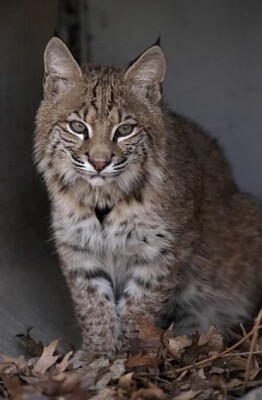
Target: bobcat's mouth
point(100, 180)
point(104, 175)
point(97, 175)
point(87, 169)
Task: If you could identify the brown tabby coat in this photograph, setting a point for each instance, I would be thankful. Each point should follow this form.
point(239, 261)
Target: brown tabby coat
point(146, 218)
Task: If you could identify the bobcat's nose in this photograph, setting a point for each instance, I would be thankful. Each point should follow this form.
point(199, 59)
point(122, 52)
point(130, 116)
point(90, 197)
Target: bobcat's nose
point(99, 164)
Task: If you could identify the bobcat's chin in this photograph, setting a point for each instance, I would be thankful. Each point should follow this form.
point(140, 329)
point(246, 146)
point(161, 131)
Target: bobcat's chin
point(98, 180)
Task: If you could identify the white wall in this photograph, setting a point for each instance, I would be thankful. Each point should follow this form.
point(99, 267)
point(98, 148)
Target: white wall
point(214, 58)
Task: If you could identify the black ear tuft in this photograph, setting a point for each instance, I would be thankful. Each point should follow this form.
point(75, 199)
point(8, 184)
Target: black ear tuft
point(158, 41)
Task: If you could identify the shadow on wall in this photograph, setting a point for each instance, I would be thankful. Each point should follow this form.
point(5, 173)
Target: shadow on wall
point(32, 289)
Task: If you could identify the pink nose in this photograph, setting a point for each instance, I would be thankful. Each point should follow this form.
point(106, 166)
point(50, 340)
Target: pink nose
point(99, 165)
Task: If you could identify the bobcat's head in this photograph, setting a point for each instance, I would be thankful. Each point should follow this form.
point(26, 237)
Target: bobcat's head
point(101, 125)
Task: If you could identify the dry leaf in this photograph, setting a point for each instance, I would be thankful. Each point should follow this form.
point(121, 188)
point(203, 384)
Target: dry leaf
point(62, 366)
point(12, 364)
point(252, 384)
point(34, 396)
point(217, 370)
point(13, 386)
point(198, 380)
point(47, 359)
point(188, 395)
point(253, 373)
point(176, 345)
point(218, 382)
point(153, 391)
point(105, 394)
point(141, 361)
point(69, 382)
point(234, 383)
point(126, 380)
point(213, 337)
point(148, 330)
point(64, 385)
point(237, 363)
point(88, 380)
point(31, 380)
point(195, 350)
point(31, 346)
point(148, 339)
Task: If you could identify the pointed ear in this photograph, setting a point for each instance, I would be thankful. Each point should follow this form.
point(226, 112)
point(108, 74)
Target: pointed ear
point(147, 73)
point(61, 69)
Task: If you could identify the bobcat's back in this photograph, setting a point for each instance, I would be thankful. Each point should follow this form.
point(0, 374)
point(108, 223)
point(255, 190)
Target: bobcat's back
point(225, 272)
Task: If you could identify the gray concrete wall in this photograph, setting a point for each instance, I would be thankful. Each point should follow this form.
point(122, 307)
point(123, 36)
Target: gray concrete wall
point(32, 289)
point(214, 65)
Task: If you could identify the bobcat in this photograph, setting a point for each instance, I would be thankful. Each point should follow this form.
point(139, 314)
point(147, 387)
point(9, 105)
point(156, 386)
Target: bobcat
point(147, 220)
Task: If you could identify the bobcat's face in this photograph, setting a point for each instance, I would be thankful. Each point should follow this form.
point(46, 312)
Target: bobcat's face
point(100, 151)
point(97, 124)
point(103, 139)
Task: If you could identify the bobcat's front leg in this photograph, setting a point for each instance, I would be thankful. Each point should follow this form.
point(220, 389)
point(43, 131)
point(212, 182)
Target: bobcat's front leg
point(145, 295)
point(92, 291)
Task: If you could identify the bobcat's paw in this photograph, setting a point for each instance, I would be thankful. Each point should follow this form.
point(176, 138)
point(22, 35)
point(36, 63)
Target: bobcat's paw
point(130, 328)
point(83, 357)
point(88, 355)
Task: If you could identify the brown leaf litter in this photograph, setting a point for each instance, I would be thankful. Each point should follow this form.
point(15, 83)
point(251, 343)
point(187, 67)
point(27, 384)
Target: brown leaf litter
point(160, 365)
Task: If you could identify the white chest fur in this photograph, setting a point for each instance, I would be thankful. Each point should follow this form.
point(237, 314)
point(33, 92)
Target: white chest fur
point(126, 237)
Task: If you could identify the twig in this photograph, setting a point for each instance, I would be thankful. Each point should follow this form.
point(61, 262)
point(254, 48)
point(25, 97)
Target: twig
point(252, 347)
point(245, 353)
point(215, 357)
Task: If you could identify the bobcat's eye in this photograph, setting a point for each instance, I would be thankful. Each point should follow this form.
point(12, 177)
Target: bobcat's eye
point(123, 131)
point(78, 128)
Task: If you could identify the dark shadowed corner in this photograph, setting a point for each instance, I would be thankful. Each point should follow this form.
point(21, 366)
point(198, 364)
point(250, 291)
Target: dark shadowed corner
point(33, 292)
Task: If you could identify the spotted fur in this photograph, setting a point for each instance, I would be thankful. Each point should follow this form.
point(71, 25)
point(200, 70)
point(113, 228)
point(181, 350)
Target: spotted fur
point(147, 223)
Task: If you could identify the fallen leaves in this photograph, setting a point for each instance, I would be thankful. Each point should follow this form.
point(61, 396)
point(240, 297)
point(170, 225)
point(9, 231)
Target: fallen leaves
point(32, 347)
point(160, 365)
point(63, 365)
point(152, 391)
point(11, 365)
point(188, 395)
point(177, 345)
point(13, 386)
point(47, 359)
point(149, 339)
point(141, 361)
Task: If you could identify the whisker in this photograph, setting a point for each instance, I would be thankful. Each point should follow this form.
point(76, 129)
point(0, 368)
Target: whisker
point(77, 160)
point(119, 166)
